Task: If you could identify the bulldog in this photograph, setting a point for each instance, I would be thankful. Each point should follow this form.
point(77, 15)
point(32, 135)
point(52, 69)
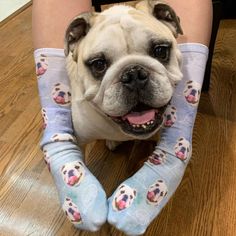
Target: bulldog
point(156, 192)
point(169, 116)
point(124, 198)
point(182, 149)
point(72, 211)
point(123, 64)
point(192, 92)
point(73, 173)
point(157, 157)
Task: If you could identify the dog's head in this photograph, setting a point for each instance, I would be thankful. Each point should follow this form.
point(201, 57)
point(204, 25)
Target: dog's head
point(126, 63)
point(169, 116)
point(157, 157)
point(61, 94)
point(192, 92)
point(156, 192)
point(71, 211)
point(73, 173)
point(182, 149)
point(124, 197)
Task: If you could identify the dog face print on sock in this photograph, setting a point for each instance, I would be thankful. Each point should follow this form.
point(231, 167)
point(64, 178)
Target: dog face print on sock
point(46, 159)
point(123, 198)
point(71, 211)
point(182, 149)
point(156, 192)
point(169, 116)
point(41, 65)
point(45, 118)
point(61, 94)
point(73, 173)
point(157, 157)
point(192, 92)
point(63, 137)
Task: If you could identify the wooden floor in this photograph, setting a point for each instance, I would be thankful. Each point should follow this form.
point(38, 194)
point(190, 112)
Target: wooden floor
point(205, 202)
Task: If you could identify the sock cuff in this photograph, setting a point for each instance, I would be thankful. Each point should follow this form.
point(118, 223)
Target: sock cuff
point(194, 47)
point(54, 52)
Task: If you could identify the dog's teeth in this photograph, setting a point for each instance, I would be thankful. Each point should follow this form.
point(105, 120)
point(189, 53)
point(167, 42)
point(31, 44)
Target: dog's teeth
point(138, 126)
point(144, 126)
point(151, 121)
point(148, 123)
point(134, 126)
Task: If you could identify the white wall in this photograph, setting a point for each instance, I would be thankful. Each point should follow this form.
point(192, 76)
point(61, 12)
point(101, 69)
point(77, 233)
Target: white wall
point(8, 7)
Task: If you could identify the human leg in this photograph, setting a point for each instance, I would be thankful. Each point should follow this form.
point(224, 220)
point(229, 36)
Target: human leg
point(81, 195)
point(50, 20)
point(152, 186)
point(195, 19)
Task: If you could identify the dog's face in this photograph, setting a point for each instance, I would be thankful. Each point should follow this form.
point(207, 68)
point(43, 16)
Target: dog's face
point(182, 149)
point(124, 197)
point(41, 65)
point(192, 92)
point(73, 173)
point(61, 94)
point(156, 192)
point(127, 63)
point(169, 116)
point(71, 211)
point(157, 157)
point(45, 118)
point(62, 137)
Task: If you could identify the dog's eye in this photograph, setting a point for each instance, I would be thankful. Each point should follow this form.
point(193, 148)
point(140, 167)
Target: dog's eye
point(98, 67)
point(161, 52)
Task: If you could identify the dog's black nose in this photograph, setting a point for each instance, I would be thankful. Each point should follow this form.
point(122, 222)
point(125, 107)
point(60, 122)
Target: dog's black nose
point(135, 77)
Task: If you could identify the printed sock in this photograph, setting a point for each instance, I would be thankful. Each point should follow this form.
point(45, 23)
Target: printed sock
point(139, 199)
point(81, 195)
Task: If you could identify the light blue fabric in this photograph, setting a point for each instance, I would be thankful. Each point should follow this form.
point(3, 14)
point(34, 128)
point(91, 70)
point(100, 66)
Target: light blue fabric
point(81, 195)
point(54, 91)
point(87, 205)
point(139, 199)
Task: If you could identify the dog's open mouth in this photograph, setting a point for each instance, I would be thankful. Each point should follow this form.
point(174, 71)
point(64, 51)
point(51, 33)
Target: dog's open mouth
point(142, 119)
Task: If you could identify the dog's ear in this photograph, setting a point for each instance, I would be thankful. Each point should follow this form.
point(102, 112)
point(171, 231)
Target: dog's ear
point(162, 12)
point(77, 29)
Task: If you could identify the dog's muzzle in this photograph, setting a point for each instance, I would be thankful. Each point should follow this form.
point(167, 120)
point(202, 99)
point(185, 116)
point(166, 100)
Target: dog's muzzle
point(142, 119)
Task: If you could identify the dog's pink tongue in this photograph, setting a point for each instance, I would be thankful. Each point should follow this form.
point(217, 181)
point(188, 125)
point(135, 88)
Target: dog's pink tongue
point(139, 118)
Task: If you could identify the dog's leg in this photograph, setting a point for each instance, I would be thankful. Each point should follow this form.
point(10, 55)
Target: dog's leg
point(112, 145)
point(81, 195)
point(152, 186)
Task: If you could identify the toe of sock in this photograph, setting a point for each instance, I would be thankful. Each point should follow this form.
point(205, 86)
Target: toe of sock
point(91, 222)
point(127, 223)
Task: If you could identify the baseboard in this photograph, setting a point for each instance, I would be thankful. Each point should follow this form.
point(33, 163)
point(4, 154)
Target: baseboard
point(9, 9)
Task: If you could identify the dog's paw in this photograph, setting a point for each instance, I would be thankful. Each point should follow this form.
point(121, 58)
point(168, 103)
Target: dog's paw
point(112, 145)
